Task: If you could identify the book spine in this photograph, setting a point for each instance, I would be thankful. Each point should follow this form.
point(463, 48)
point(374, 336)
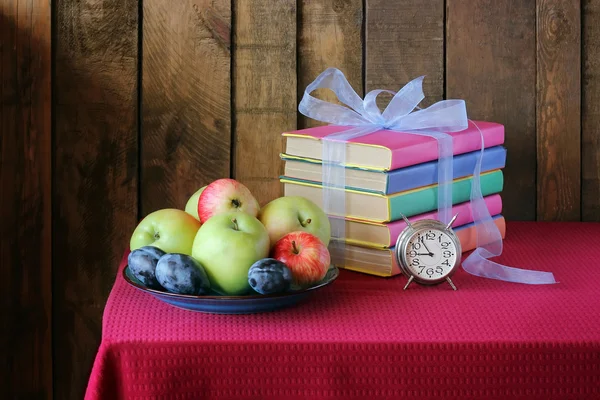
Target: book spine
point(465, 216)
point(463, 142)
point(426, 174)
point(421, 201)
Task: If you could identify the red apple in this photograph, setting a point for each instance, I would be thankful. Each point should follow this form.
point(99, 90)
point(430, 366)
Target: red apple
point(226, 195)
point(305, 255)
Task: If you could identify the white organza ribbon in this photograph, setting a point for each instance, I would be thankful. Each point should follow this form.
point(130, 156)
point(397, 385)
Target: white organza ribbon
point(361, 117)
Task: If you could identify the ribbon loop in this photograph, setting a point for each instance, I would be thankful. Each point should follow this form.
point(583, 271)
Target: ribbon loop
point(405, 101)
point(443, 116)
point(372, 112)
point(324, 111)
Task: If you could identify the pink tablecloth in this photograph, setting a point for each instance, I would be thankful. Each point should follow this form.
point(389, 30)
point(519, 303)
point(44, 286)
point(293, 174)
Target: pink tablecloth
point(363, 336)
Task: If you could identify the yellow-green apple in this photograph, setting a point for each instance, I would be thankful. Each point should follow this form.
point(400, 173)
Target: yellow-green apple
point(227, 245)
point(191, 207)
point(225, 195)
point(305, 255)
point(169, 229)
point(294, 213)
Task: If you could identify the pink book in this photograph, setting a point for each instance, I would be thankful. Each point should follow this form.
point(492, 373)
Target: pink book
point(384, 235)
point(385, 150)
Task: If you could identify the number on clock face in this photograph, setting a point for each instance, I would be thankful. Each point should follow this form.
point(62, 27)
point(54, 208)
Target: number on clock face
point(430, 254)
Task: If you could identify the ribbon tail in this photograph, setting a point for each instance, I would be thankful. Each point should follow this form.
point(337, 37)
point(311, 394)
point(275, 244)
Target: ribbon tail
point(489, 241)
point(445, 177)
point(334, 184)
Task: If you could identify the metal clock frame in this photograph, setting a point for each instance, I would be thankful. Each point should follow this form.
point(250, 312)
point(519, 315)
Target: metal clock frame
point(402, 243)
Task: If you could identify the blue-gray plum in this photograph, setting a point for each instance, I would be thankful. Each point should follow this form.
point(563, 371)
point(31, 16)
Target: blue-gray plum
point(180, 273)
point(142, 264)
point(269, 276)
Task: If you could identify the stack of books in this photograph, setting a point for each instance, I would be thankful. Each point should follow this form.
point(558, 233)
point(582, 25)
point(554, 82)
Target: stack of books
point(389, 174)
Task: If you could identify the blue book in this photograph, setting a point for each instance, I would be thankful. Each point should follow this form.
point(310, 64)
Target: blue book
point(399, 180)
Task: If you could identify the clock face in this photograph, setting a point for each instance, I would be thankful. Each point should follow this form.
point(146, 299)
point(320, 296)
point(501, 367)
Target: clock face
point(430, 254)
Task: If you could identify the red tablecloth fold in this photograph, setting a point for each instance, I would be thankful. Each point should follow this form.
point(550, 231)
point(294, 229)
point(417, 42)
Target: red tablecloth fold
point(363, 336)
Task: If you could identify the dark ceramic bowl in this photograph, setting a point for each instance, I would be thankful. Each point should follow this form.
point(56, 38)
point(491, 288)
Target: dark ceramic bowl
point(220, 304)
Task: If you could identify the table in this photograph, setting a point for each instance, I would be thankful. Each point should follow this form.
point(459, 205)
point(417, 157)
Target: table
point(364, 337)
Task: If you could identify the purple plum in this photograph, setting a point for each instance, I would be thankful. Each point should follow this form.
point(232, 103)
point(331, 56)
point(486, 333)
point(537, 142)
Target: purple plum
point(142, 264)
point(269, 276)
point(182, 274)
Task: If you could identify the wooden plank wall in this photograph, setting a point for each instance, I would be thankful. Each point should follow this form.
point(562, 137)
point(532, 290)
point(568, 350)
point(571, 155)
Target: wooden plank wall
point(95, 173)
point(25, 200)
point(186, 112)
point(133, 105)
point(491, 63)
point(264, 91)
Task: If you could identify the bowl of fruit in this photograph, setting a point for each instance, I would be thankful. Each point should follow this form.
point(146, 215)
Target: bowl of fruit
point(224, 254)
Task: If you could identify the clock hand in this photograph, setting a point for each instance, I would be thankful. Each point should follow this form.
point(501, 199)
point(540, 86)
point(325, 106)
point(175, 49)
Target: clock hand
point(426, 248)
point(425, 254)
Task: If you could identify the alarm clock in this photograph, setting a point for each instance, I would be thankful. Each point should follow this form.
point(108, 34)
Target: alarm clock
point(428, 252)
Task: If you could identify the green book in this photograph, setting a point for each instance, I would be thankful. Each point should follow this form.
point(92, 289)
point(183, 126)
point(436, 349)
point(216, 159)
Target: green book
point(385, 208)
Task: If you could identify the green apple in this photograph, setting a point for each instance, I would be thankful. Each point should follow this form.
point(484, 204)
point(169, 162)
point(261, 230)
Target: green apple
point(227, 245)
point(169, 229)
point(294, 213)
point(191, 207)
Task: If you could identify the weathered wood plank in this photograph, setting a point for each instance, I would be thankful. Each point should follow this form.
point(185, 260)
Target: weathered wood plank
point(590, 136)
point(559, 110)
point(404, 40)
point(25, 200)
point(491, 64)
point(186, 116)
point(329, 35)
point(95, 174)
point(264, 91)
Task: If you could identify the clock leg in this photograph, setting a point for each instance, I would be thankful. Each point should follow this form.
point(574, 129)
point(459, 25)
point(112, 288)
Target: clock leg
point(409, 281)
point(451, 221)
point(451, 283)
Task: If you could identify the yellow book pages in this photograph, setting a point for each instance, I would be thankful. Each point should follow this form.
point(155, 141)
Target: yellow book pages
point(358, 155)
point(356, 202)
point(358, 178)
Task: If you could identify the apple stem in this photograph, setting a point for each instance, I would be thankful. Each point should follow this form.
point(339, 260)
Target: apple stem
point(294, 247)
point(236, 203)
point(305, 223)
point(235, 224)
point(156, 236)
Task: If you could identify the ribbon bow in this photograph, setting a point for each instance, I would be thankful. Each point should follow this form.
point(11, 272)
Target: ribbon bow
point(362, 116)
point(444, 116)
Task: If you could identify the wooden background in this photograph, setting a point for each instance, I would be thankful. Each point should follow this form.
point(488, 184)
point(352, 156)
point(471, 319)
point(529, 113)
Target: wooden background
point(112, 109)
